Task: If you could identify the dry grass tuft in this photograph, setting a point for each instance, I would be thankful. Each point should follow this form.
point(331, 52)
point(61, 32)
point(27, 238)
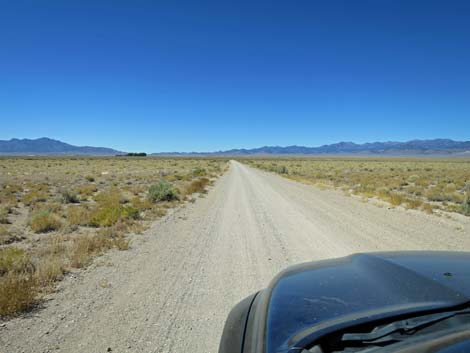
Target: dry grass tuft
point(78, 216)
point(84, 248)
point(43, 221)
point(396, 199)
point(412, 203)
point(17, 292)
point(86, 191)
point(17, 285)
point(198, 185)
point(14, 260)
point(50, 269)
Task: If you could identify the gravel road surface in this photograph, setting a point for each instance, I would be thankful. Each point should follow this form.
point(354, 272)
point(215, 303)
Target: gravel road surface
point(172, 290)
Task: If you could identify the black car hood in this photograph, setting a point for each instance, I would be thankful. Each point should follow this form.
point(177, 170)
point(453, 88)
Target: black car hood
point(311, 300)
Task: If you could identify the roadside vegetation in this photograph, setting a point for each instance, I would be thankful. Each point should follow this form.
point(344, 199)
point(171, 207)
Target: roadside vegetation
point(57, 214)
point(431, 185)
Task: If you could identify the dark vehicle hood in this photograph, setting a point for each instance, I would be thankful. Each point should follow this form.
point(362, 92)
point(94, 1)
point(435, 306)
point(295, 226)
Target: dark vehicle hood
point(310, 300)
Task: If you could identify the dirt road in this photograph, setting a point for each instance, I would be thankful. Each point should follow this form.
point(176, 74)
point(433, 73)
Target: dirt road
point(173, 289)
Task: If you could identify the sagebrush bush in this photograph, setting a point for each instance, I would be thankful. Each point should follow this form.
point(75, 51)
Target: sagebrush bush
point(43, 221)
point(280, 169)
point(163, 191)
point(69, 196)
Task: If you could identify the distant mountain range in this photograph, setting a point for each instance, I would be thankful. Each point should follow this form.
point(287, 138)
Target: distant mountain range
point(47, 146)
point(414, 147)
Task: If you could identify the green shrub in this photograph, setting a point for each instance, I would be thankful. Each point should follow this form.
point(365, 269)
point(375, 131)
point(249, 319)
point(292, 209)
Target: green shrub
point(111, 214)
point(163, 191)
point(44, 221)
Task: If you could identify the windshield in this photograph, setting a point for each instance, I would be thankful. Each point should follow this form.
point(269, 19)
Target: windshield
point(367, 337)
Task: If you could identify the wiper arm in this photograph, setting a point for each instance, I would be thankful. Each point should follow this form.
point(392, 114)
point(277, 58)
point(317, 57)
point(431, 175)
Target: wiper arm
point(406, 326)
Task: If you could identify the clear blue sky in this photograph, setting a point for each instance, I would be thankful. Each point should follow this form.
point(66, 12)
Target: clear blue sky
point(208, 75)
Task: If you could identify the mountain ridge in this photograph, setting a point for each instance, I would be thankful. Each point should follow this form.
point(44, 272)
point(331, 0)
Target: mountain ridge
point(412, 147)
point(439, 146)
point(48, 146)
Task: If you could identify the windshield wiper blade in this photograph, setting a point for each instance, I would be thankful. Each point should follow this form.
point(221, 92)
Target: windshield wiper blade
point(406, 326)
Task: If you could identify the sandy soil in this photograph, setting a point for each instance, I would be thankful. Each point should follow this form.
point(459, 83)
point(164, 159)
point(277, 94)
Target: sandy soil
point(172, 290)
